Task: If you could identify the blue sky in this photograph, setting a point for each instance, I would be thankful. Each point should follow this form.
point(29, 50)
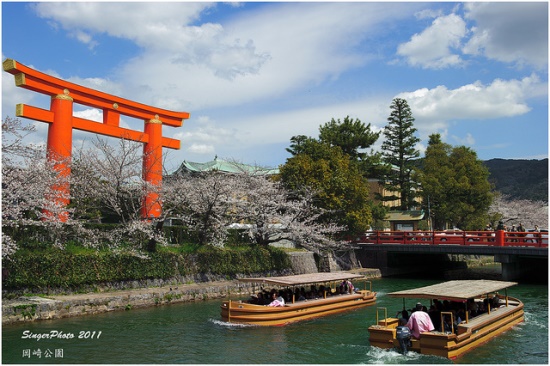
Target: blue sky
point(252, 75)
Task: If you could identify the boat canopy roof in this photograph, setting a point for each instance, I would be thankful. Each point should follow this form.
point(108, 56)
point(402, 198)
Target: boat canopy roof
point(454, 290)
point(304, 278)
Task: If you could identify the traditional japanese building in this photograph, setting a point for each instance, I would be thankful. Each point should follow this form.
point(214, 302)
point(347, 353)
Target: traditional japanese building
point(222, 166)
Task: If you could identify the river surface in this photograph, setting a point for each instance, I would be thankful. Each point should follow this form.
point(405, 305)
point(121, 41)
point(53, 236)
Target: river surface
point(192, 333)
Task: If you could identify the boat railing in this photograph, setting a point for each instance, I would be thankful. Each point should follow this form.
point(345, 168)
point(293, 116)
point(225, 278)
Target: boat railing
point(443, 313)
point(385, 316)
point(370, 285)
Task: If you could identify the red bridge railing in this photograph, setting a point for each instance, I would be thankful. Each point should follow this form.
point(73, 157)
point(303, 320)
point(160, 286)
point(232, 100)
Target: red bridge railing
point(489, 238)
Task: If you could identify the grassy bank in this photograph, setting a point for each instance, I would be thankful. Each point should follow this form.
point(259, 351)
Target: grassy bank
point(76, 269)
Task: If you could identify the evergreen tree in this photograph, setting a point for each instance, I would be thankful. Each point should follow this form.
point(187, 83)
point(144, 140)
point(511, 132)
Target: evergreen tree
point(315, 163)
point(398, 152)
point(354, 138)
point(455, 185)
point(339, 186)
point(435, 178)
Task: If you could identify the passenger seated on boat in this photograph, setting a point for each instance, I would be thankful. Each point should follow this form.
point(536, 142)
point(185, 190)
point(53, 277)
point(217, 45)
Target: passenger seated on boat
point(287, 295)
point(495, 301)
point(256, 299)
point(346, 287)
point(483, 307)
point(277, 300)
point(460, 316)
point(435, 315)
point(321, 293)
point(447, 326)
point(472, 307)
point(419, 322)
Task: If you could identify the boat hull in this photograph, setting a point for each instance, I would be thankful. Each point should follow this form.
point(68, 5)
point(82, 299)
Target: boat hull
point(478, 331)
point(241, 312)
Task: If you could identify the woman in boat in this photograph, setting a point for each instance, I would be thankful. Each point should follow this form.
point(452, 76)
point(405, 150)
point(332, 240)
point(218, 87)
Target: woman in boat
point(276, 300)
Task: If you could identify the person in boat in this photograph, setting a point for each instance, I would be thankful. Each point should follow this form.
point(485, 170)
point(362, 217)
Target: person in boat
point(435, 315)
point(495, 301)
point(447, 325)
point(256, 299)
point(404, 317)
point(277, 300)
point(301, 295)
point(419, 322)
point(472, 308)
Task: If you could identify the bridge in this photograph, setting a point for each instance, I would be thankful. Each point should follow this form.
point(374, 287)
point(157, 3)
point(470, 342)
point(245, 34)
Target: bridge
point(521, 254)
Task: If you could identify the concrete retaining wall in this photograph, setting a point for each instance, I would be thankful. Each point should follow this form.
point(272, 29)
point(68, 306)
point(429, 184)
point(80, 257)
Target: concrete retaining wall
point(133, 294)
point(28, 309)
point(62, 306)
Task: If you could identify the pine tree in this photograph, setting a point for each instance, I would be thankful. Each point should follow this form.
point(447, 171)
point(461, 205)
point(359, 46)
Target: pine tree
point(398, 152)
point(354, 138)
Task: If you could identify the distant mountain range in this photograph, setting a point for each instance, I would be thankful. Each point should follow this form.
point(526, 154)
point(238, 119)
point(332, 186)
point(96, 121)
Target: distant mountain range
point(520, 179)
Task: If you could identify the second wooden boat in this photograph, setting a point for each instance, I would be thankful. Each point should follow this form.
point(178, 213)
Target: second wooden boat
point(327, 293)
point(497, 313)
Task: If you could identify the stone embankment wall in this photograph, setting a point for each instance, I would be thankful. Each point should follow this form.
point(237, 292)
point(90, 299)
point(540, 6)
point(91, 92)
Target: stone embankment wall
point(63, 306)
point(27, 309)
point(133, 294)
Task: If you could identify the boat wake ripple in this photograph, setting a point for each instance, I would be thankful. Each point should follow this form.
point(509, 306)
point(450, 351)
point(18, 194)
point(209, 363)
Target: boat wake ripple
point(533, 320)
point(230, 325)
point(390, 356)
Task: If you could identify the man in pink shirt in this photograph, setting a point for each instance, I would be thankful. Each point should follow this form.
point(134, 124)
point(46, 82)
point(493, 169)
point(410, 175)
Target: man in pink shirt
point(419, 322)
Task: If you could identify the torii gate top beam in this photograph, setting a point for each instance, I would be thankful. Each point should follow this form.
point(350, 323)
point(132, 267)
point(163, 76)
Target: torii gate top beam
point(112, 106)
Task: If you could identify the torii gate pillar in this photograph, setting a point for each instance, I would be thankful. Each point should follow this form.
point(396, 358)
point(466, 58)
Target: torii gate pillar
point(152, 167)
point(62, 122)
point(59, 143)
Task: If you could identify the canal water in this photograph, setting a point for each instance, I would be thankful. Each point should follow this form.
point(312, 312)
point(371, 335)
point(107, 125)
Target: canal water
point(192, 333)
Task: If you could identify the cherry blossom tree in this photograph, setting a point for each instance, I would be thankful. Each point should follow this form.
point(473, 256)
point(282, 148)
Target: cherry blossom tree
point(267, 213)
point(516, 211)
point(275, 214)
point(108, 186)
point(203, 202)
point(28, 199)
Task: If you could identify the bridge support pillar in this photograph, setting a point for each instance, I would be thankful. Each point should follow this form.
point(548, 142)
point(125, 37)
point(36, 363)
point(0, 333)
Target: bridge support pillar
point(515, 267)
point(511, 269)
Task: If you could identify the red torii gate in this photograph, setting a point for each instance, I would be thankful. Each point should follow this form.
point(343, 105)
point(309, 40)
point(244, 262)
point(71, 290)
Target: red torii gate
point(61, 120)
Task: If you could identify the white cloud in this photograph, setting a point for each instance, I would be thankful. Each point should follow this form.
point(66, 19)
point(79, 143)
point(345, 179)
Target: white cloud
point(501, 98)
point(512, 32)
point(93, 114)
point(258, 54)
point(467, 140)
point(201, 149)
point(434, 47)
point(85, 38)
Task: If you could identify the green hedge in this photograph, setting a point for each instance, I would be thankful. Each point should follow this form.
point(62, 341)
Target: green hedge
point(60, 269)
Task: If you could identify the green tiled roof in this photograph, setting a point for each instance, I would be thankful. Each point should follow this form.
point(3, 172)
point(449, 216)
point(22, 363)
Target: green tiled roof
point(224, 166)
point(405, 215)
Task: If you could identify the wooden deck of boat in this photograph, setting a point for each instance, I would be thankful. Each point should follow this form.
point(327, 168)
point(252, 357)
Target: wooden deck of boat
point(477, 321)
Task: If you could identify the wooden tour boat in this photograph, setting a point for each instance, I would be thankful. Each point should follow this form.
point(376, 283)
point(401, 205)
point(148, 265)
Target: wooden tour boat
point(329, 298)
point(499, 313)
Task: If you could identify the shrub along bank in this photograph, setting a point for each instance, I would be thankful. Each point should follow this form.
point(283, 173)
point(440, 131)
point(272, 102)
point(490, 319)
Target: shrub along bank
point(57, 270)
